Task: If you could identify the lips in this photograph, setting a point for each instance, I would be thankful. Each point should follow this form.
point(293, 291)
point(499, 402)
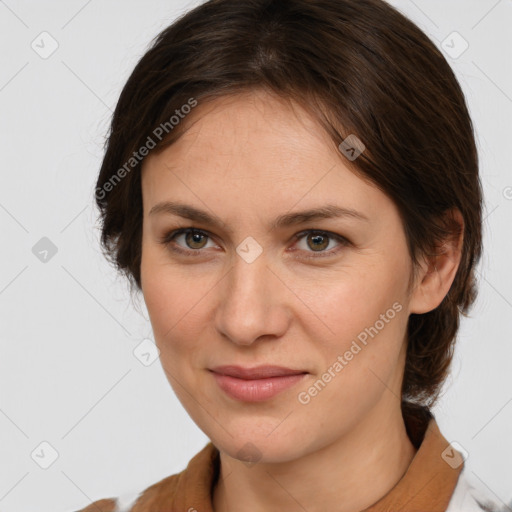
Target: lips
point(258, 372)
point(256, 384)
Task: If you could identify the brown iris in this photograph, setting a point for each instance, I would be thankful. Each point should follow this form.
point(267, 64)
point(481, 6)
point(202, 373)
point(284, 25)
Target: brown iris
point(193, 237)
point(319, 241)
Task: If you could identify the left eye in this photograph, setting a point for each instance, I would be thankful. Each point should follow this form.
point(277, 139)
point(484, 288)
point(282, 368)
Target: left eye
point(319, 241)
point(195, 240)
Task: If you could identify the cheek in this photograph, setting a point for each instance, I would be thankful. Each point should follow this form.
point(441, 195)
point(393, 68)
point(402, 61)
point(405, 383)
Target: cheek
point(175, 299)
point(361, 360)
point(367, 318)
point(350, 301)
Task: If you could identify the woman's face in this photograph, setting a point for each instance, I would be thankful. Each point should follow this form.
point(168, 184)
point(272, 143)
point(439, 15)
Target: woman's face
point(327, 296)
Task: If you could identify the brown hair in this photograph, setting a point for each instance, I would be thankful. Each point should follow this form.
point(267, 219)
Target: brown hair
point(360, 67)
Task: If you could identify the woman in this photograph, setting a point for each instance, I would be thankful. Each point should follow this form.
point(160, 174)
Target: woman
point(293, 186)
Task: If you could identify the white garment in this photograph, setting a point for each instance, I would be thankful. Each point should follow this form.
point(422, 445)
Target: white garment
point(125, 502)
point(465, 495)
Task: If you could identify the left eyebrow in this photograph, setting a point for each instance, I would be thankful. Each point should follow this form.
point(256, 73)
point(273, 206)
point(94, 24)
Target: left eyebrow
point(325, 212)
point(289, 219)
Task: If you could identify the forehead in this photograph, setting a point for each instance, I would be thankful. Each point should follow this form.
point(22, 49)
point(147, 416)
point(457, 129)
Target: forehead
point(261, 131)
point(248, 123)
point(257, 151)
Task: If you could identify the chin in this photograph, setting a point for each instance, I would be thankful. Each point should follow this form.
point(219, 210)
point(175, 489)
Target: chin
point(264, 445)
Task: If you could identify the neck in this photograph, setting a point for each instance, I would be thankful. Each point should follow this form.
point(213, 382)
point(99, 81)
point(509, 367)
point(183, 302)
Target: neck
point(347, 475)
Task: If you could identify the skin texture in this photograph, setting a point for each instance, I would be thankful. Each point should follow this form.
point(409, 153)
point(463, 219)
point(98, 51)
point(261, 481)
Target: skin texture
point(248, 159)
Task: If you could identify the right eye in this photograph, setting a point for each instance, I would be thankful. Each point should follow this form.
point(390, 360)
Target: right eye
point(193, 241)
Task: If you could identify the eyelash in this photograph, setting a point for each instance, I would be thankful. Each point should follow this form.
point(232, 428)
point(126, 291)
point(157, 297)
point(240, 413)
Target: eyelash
point(168, 240)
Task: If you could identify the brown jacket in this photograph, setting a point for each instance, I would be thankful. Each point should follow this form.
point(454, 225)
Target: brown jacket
point(427, 485)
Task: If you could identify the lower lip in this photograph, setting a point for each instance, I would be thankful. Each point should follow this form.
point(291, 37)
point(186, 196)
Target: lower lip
point(256, 390)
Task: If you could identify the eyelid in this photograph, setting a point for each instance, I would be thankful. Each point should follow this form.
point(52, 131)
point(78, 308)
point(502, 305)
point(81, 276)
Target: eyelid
point(169, 237)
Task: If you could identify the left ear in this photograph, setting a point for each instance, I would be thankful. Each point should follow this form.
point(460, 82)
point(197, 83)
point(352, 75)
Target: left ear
point(437, 272)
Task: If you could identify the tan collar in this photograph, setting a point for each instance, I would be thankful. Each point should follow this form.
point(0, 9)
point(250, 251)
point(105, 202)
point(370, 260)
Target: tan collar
point(428, 483)
point(430, 479)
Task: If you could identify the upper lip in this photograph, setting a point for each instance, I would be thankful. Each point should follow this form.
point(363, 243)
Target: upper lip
point(256, 372)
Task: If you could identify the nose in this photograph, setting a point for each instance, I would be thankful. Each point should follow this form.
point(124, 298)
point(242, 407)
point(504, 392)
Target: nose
point(253, 303)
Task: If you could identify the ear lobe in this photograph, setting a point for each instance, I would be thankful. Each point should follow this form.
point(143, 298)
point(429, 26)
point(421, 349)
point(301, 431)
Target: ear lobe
point(438, 271)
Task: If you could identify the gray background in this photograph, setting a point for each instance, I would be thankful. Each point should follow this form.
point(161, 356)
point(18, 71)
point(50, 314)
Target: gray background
point(69, 376)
